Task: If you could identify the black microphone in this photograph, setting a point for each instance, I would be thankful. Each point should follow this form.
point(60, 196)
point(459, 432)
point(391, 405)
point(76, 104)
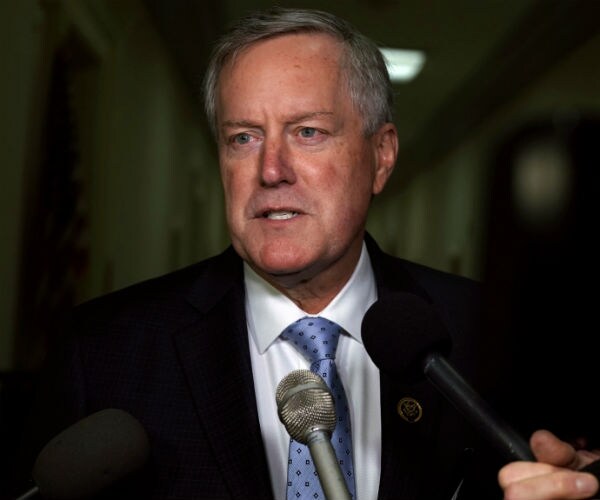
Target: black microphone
point(90, 455)
point(406, 338)
point(306, 408)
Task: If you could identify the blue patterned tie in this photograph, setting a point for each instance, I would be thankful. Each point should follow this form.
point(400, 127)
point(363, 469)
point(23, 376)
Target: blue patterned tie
point(316, 339)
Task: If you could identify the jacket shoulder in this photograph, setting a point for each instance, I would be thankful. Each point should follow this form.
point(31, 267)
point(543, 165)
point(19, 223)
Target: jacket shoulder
point(172, 295)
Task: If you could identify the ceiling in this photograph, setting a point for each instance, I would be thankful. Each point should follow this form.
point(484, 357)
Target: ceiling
point(479, 52)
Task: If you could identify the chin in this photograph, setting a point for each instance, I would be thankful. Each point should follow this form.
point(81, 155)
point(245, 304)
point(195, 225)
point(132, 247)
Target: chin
point(279, 261)
point(279, 256)
point(281, 267)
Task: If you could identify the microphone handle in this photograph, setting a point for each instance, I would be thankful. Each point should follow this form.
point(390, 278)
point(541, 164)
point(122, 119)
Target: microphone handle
point(33, 492)
point(466, 400)
point(331, 478)
point(452, 385)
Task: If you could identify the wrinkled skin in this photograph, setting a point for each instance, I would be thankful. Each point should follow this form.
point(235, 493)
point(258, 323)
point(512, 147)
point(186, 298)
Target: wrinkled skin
point(298, 171)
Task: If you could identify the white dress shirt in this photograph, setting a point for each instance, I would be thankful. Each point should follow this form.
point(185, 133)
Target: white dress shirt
point(269, 312)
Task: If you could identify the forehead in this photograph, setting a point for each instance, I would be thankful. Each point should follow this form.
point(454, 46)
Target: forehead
point(289, 58)
point(283, 77)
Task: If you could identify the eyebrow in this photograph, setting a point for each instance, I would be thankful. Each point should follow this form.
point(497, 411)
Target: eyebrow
point(293, 119)
point(307, 116)
point(236, 124)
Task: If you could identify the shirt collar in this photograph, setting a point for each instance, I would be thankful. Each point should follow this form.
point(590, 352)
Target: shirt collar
point(268, 311)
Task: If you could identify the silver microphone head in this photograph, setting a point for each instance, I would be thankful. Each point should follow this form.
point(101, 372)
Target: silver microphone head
point(305, 404)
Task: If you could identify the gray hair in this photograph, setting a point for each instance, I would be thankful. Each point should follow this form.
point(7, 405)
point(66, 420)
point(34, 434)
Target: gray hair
point(367, 78)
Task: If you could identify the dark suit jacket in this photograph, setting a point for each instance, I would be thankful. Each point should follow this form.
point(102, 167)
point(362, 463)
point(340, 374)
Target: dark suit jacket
point(173, 351)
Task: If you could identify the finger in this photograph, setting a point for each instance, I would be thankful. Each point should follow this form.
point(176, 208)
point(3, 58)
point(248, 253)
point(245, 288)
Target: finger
point(548, 448)
point(559, 485)
point(518, 471)
point(588, 456)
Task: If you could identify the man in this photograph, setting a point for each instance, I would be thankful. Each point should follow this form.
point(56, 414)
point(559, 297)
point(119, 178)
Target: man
point(300, 105)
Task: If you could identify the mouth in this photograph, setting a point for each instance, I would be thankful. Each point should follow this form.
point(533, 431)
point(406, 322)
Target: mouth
point(279, 214)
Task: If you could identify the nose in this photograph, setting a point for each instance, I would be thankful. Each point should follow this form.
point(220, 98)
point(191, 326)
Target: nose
point(276, 163)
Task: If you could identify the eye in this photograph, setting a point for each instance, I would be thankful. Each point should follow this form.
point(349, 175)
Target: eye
point(308, 132)
point(241, 139)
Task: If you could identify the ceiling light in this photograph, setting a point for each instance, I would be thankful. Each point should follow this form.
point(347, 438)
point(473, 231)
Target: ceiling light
point(403, 65)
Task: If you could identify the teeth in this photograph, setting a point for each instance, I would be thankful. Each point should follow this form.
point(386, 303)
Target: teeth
point(280, 215)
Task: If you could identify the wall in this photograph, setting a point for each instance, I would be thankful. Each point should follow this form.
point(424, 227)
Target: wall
point(439, 218)
point(20, 40)
point(148, 166)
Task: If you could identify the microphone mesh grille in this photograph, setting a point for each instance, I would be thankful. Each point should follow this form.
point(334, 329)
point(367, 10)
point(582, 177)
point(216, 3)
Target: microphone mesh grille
point(305, 404)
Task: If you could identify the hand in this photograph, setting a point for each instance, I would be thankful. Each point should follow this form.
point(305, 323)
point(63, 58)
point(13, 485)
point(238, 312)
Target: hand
point(554, 476)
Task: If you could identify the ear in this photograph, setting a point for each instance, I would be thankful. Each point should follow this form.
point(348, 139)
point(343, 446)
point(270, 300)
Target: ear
point(386, 152)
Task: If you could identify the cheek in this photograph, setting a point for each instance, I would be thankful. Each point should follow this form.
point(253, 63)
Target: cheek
point(226, 183)
point(232, 192)
point(348, 196)
point(358, 178)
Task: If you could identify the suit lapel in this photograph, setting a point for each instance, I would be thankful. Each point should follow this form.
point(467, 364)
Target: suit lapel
point(410, 417)
point(409, 446)
point(215, 357)
point(403, 441)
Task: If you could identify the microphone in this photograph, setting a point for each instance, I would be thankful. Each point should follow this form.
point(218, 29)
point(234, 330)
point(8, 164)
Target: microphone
point(90, 455)
point(306, 408)
point(425, 341)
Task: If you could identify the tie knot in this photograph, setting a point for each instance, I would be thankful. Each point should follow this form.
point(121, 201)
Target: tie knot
point(316, 338)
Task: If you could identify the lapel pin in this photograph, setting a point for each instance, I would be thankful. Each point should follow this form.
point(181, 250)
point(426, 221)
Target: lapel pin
point(409, 409)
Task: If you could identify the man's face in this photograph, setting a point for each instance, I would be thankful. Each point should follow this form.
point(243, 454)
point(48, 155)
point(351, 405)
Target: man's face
point(297, 170)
